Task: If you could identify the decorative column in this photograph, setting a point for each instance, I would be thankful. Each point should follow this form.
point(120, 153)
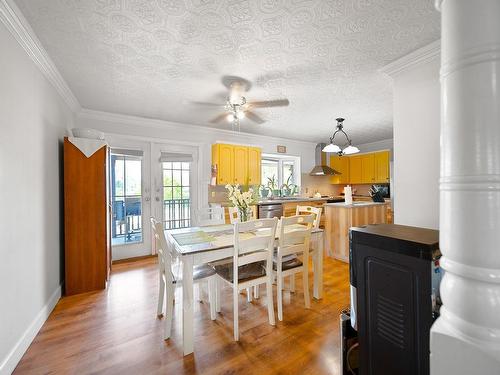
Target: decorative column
point(466, 338)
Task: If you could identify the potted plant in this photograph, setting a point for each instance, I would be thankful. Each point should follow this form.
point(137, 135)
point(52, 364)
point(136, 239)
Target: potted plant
point(273, 185)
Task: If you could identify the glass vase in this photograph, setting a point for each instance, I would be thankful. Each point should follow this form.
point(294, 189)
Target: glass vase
point(245, 214)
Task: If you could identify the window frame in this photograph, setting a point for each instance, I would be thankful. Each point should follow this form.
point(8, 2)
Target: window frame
point(281, 159)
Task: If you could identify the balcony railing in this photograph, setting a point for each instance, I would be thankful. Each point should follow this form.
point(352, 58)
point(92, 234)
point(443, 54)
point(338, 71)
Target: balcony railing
point(176, 213)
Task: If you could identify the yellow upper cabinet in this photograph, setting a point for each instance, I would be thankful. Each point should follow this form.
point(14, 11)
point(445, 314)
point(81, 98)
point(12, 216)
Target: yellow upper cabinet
point(236, 164)
point(240, 165)
point(361, 169)
point(382, 167)
point(341, 165)
point(355, 170)
point(367, 168)
point(254, 165)
point(223, 158)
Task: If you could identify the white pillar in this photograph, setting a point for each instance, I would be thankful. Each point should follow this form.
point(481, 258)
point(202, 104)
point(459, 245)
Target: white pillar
point(466, 338)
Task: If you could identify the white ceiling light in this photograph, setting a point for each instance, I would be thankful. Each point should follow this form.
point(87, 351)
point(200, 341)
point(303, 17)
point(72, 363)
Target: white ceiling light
point(348, 147)
point(350, 150)
point(331, 148)
point(240, 115)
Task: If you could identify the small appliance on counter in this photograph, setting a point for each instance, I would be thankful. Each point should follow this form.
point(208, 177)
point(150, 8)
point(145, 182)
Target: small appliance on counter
point(376, 195)
point(383, 189)
point(394, 277)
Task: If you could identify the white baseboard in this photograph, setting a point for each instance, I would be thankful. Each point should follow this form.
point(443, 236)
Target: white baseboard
point(10, 362)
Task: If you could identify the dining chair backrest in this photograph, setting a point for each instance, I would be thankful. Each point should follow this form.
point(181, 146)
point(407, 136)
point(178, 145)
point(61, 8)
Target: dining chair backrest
point(295, 234)
point(164, 254)
point(254, 241)
point(310, 210)
point(211, 216)
point(234, 215)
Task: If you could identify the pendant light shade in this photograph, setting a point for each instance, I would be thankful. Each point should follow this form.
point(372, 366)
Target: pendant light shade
point(347, 149)
point(350, 150)
point(331, 148)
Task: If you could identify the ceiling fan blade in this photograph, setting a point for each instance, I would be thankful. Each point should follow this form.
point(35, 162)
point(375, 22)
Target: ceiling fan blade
point(218, 118)
point(254, 117)
point(207, 104)
point(270, 103)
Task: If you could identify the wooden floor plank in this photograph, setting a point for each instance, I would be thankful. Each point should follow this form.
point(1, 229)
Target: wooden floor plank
point(116, 331)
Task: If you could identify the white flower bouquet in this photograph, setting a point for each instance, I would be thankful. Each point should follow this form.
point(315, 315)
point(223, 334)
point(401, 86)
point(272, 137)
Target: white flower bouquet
point(241, 200)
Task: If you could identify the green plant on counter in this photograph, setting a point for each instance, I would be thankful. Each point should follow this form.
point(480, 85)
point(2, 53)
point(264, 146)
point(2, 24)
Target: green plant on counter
point(272, 183)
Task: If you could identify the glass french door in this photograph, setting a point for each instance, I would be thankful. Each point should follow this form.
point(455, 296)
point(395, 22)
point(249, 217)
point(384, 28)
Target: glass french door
point(174, 185)
point(153, 179)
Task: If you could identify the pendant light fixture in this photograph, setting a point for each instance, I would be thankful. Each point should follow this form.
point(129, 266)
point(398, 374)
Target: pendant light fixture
point(347, 149)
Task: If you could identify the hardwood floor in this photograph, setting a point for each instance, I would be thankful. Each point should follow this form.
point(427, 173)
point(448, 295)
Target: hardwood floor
point(116, 331)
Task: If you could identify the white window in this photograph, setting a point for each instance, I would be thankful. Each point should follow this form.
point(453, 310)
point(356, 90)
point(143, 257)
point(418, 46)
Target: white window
point(278, 170)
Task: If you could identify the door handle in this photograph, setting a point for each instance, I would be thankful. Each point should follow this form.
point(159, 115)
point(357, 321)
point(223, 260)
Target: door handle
point(157, 199)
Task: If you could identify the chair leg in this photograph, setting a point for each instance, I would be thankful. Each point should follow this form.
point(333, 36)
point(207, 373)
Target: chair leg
point(235, 314)
point(218, 286)
point(292, 283)
point(211, 296)
point(270, 302)
point(249, 294)
point(169, 310)
point(161, 294)
point(305, 282)
point(279, 292)
point(256, 291)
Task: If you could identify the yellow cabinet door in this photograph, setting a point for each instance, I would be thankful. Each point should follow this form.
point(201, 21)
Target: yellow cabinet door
point(223, 158)
point(368, 168)
point(341, 165)
point(240, 165)
point(355, 169)
point(382, 167)
point(254, 165)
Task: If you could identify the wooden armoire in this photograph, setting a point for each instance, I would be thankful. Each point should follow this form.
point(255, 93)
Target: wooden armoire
point(86, 219)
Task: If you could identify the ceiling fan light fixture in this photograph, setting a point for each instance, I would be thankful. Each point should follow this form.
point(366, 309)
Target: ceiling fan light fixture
point(240, 115)
point(331, 148)
point(230, 117)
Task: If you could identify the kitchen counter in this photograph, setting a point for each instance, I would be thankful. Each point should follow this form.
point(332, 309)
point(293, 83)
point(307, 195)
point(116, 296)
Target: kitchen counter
point(294, 199)
point(355, 204)
point(339, 218)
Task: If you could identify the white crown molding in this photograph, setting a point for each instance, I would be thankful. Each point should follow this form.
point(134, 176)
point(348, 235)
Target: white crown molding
point(12, 17)
point(420, 56)
point(90, 114)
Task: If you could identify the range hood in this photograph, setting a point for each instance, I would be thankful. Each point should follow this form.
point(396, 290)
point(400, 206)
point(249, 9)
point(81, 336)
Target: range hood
point(322, 168)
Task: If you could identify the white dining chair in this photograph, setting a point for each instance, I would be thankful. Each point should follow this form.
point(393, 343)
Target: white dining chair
point(214, 215)
point(308, 210)
point(252, 263)
point(293, 239)
point(168, 281)
point(234, 215)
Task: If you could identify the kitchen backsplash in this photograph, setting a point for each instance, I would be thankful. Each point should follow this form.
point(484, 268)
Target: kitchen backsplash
point(309, 186)
point(321, 184)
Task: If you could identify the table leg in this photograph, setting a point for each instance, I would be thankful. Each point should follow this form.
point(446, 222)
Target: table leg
point(318, 267)
point(187, 305)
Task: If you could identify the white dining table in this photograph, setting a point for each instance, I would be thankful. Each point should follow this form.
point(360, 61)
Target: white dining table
point(201, 245)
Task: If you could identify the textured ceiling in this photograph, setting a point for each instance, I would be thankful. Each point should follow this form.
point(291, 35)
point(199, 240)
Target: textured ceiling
point(150, 57)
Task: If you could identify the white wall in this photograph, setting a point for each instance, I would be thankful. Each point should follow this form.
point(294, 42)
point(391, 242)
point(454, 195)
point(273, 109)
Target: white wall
point(33, 119)
point(416, 145)
point(190, 134)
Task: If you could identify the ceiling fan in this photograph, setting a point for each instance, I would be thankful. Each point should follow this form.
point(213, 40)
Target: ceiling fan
point(237, 107)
